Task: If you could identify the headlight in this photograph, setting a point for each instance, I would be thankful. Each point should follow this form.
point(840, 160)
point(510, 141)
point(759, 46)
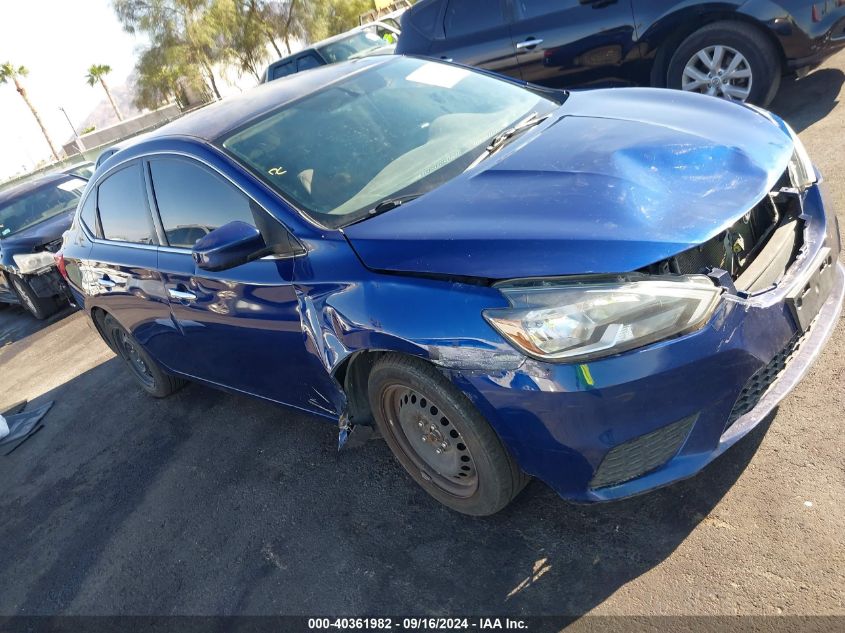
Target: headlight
point(30, 262)
point(576, 322)
point(801, 170)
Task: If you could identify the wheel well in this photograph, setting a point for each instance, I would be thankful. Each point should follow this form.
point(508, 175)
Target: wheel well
point(687, 27)
point(98, 315)
point(353, 374)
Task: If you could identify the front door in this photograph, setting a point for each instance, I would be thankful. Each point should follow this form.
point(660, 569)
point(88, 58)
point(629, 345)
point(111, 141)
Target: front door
point(477, 34)
point(563, 43)
point(241, 328)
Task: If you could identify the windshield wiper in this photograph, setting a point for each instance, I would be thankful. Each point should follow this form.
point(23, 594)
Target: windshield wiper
point(392, 203)
point(507, 134)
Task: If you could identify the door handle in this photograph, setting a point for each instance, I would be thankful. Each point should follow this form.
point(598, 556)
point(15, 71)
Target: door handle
point(528, 44)
point(447, 59)
point(181, 295)
point(105, 282)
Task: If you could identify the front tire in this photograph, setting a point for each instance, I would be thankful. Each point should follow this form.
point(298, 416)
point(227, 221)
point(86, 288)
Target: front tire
point(727, 59)
point(147, 372)
point(440, 438)
point(39, 307)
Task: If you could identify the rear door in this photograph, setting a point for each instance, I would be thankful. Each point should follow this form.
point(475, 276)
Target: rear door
point(477, 33)
point(120, 273)
point(241, 327)
point(561, 43)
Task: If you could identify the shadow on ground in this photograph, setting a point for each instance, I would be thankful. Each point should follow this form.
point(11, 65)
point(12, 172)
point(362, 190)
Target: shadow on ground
point(207, 503)
point(802, 102)
point(16, 323)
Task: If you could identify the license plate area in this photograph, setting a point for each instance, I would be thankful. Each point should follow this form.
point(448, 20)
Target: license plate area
point(806, 298)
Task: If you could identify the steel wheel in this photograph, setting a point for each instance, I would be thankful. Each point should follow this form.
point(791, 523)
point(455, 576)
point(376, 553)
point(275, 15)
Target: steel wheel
point(720, 71)
point(430, 440)
point(135, 360)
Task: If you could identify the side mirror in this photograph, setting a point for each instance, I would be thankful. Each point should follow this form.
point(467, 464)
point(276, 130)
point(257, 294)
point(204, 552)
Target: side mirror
point(231, 245)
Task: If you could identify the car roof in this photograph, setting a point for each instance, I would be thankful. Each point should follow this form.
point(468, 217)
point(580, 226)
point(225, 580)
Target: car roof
point(17, 191)
point(219, 119)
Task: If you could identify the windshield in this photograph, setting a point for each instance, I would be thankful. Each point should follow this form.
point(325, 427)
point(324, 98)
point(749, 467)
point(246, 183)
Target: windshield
point(400, 128)
point(356, 45)
point(39, 205)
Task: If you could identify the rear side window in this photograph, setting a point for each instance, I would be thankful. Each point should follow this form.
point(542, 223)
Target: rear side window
point(535, 8)
point(282, 70)
point(192, 201)
point(424, 16)
point(472, 16)
point(89, 212)
point(122, 203)
point(307, 61)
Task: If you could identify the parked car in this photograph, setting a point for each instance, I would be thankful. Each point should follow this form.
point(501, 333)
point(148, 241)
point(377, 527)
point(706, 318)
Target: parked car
point(510, 281)
point(735, 49)
point(33, 217)
point(372, 39)
point(83, 170)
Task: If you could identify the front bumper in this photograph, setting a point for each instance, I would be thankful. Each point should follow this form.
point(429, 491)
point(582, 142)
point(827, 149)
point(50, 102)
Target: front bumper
point(667, 410)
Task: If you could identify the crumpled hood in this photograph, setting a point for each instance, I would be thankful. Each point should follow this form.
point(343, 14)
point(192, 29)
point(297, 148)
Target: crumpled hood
point(616, 180)
point(36, 236)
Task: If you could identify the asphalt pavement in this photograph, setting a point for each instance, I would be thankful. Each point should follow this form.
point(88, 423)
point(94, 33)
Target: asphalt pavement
point(208, 503)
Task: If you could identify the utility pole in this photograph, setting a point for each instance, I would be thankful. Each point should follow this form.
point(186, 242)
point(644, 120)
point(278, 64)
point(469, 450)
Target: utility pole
point(79, 144)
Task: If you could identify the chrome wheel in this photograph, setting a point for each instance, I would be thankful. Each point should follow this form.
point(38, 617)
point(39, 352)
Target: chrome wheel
point(720, 71)
point(430, 440)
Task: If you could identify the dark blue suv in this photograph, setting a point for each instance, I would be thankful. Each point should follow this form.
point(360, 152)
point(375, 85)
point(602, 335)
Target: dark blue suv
point(505, 280)
point(735, 49)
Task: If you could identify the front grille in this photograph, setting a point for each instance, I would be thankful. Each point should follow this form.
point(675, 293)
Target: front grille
point(642, 454)
point(759, 383)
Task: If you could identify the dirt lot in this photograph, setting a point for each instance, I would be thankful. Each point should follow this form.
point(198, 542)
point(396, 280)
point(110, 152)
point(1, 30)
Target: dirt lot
point(212, 504)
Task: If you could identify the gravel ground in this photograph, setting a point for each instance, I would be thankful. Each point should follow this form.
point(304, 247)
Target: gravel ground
point(207, 503)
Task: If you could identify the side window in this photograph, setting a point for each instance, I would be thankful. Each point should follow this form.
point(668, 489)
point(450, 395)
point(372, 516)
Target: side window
point(192, 201)
point(472, 16)
point(89, 212)
point(535, 8)
point(282, 71)
point(121, 200)
point(307, 61)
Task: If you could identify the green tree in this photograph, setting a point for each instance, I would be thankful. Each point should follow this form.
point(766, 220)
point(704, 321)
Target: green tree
point(182, 26)
point(241, 26)
point(96, 74)
point(336, 16)
point(164, 73)
point(9, 72)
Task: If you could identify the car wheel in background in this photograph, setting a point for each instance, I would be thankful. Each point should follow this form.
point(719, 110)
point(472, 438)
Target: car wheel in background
point(440, 438)
point(731, 60)
point(147, 372)
point(39, 307)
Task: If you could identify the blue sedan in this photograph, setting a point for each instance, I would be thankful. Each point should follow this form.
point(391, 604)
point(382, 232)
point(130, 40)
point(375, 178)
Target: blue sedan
point(604, 290)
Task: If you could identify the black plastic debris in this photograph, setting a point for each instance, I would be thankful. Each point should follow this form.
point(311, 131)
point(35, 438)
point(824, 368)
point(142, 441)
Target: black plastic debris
point(22, 425)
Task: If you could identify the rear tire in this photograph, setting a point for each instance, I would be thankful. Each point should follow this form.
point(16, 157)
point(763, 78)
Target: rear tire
point(440, 438)
point(147, 372)
point(758, 74)
point(39, 307)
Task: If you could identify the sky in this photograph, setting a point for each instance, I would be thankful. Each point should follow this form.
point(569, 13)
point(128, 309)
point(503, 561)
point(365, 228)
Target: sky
point(57, 40)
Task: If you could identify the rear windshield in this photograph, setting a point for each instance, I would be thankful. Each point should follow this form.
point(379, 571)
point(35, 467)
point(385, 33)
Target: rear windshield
point(39, 205)
point(400, 128)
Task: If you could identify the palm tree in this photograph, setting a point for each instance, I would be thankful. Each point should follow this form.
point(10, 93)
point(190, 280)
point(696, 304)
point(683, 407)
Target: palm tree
point(9, 72)
point(96, 74)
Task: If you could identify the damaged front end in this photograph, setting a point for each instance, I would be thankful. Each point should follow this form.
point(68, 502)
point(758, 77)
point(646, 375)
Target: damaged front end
point(754, 253)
